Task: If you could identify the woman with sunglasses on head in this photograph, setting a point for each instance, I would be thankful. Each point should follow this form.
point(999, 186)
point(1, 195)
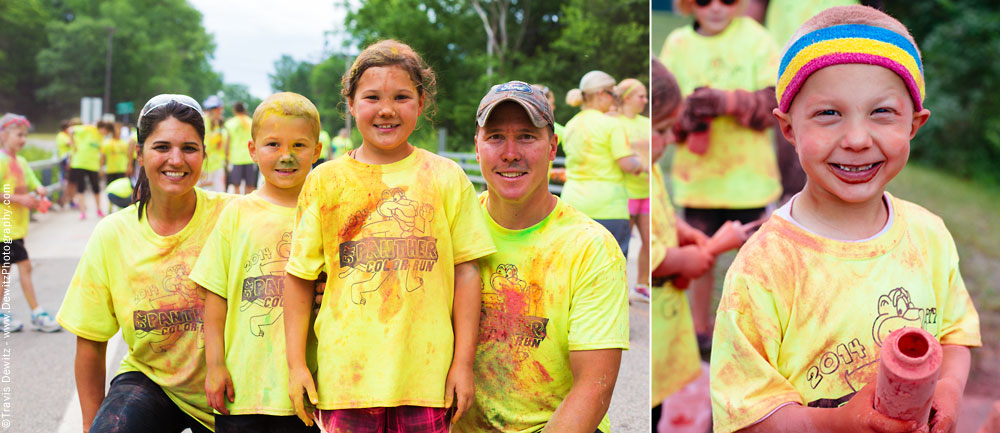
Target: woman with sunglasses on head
point(725, 166)
point(598, 156)
point(133, 276)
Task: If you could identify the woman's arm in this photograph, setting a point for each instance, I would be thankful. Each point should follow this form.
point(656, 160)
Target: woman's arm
point(90, 374)
point(465, 320)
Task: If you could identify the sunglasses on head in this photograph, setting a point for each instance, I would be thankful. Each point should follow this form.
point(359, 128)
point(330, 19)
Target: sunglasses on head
point(16, 120)
point(703, 3)
point(164, 99)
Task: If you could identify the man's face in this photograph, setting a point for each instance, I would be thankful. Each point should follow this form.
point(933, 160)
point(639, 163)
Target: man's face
point(514, 155)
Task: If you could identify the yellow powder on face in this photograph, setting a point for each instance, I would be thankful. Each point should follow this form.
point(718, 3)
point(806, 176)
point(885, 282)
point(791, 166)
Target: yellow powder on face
point(286, 105)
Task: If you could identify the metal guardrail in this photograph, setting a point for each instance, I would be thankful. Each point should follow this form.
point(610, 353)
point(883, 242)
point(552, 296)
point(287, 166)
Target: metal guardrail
point(50, 174)
point(469, 164)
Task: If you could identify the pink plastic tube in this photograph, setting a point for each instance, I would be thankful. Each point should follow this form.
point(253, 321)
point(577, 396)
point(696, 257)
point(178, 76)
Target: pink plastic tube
point(907, 374)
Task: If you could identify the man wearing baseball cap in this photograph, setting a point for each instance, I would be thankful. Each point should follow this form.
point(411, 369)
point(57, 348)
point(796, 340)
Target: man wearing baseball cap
point(554, 306)
point(213, 170)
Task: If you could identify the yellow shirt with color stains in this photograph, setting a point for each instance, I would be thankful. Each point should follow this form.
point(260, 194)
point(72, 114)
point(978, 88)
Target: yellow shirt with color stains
point(739, 170)
point(243, 262)
point(802, 317)
point(389, 237)
point(637, 128)
point(116, 157)
point(675, 357)
point(133, 279)
point(555, 287)
point(595, 184)
point(16, 177)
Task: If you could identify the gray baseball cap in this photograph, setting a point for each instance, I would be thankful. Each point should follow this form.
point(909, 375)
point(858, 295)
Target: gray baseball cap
point(532, 99)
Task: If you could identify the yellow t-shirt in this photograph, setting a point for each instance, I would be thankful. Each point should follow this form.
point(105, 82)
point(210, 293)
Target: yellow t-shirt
point(341, 145)
point(86, 148)
point(215, 150)
point(540, 303)
point(324, 140)
point(17, 178)
point(675, 358)
point(637, 128)
point(595, 185)
point(785, 16)
point(115, 155)
point(62, 144)
point(739, 170)
point(389, 237)
point(802, 317)
point(238, 128)
point(134, 279)
point(243, 261)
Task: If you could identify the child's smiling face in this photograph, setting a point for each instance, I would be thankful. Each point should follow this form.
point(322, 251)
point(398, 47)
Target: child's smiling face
point(714, 17)
point(851, 125)
point(386, 106)
point(284, 149)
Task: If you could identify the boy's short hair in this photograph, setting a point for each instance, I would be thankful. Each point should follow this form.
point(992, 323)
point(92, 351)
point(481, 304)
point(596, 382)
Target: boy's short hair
point(849, 35)
point(287, 104)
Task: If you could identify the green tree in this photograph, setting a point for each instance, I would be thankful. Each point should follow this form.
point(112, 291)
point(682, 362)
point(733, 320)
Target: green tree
point(292, 76)
point(22, 35)
point(958, 41)
point(159, 46)
point(325, 82)
point(473, 44)
point(233, 93)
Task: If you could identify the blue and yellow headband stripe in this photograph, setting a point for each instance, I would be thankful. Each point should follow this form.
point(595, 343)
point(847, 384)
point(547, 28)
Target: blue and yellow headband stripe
point(844, 44)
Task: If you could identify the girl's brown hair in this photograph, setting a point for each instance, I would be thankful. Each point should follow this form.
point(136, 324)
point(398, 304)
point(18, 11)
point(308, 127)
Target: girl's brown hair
point(390, 52)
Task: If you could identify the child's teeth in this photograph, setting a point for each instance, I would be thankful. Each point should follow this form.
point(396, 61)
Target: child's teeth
point(857, 168)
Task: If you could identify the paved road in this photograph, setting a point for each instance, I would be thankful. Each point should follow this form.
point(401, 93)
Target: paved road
point(38, 390)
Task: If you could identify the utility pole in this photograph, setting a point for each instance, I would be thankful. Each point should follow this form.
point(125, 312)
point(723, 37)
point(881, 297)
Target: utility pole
point(107, 73)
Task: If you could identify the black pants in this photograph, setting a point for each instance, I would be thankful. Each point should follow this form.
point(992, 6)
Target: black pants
point(136, 404)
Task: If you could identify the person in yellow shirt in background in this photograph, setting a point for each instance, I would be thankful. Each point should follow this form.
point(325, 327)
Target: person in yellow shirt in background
point(242, 266)
point(242, 170)
point(555, 309)
point(631, 101)
point(114, 153)
point(598, 156)
point(22, 193)
point(213, 174)
point(675, 252)
point(133, 278)
point(399, 319)
point(64, 148)
point(341, 144)
point(324, 142)
point(812, 296)
point(724, 64)
point(85, 166)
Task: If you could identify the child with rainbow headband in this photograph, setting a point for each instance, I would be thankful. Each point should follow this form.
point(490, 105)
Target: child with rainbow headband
point(813, 295)
point(398, 231)
point(242, 267)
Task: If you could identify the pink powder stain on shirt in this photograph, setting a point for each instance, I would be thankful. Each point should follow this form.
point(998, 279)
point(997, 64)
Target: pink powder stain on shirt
point(545, 373)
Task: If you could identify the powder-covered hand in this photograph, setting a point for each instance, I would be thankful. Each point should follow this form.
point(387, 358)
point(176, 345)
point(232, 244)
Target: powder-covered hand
point(859, 415)
point(944, 406)
point(459, 388)
point(706, 102)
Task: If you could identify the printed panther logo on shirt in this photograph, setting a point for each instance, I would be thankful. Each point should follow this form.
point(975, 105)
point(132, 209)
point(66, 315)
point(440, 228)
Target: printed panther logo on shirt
point(510, 312)
point(177, 307)
point(264, 294)
point(395, 237)
point(858, 366)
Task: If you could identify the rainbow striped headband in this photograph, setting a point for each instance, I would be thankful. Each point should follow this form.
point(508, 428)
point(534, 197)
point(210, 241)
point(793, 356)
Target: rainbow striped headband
point(849, 43)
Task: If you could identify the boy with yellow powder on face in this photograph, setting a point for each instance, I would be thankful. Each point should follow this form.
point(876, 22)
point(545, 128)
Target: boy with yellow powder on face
point(242, 266)
point(812, 296)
